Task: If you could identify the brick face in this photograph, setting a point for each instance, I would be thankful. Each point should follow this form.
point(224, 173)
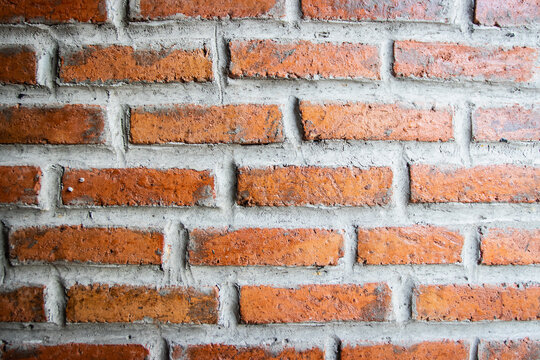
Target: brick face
point(303, 60)
point(314, 303)
point(514, 123)
point(507, 12)
point(19, 185)
point(510, 246)
point(80, 244)
point(363, 121)
point(18, 65)
point(446, 61)
point(219, 351)
point(53, 11)
point(279, 247)
point(457, 350)
point(509, 350)
point(77, 352)
point(112, 304)
point(25, 304)
point(298, 186)
point(194, 124)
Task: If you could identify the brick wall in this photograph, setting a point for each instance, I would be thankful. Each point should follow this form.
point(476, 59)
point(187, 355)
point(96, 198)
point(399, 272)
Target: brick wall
point(297, 179)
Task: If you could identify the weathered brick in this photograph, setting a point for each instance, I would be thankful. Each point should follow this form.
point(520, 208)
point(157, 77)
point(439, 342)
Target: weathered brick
point(445, 61)
point(194, 124)
point(476, 303)
point(303, 59)
point(76, 352)
point(53, 11)
point(80, 244)
point(137, 187)
point(69, 124)
point(122, 303)
point(207, 9)
point(18, 65)
point(507, 123)
point(507, 12)
point(314, 303)
point(298, 186)
point(510, 246)
point(220, 351)
point(19, 185)
point(525, 349)
point(429, 10)
point(25, 304)
point(363, 121)
point(115, 63)
point(409, 245)
point(446, 349)
point(492, 183)
point(279, 247)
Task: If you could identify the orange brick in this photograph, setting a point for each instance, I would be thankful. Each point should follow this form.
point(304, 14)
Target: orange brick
point(69, 124)
point(476, 303)
point(510, 247)
point(525, 349)
point(220, 351)
point(298, 186)
point(279, 247)
point(409, 245)
point(456, 350)
point(137, 187)
point(493, 183)
point(80, 244)
point(19, 185)
point(507, 12)
point(122, 303)
point(314, 303)
point(194, 124)
point(115, 63)
point(362, 121)
point(25, 304)
point(53, 11)
point(303, 59)
point(507, 123)
point(77, 352)
point(18, 65)
point(454, 61)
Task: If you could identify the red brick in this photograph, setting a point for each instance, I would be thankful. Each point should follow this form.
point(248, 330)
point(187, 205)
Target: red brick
point(19, 185)
point(428, 10)
point(362, 121)
point(194, 124)
point(510, 247)
point(25, 304)
point(454, 61)
point(507, 12)
point(207, 9)
point(507, 123)
point(456, 350)
point(493, 183)
point(76, 352)
point(476, 303)
point(53, 11)
point(18, 65)
point(69, 124)
point(115, 63)
point(525, 349)
point(224, 352)
point(409, 245)
point(80, 244)
point(137, 187)
point(279, 247)
point(314, 303)
point(303, 59)
point(298, 186)
point(122, 303)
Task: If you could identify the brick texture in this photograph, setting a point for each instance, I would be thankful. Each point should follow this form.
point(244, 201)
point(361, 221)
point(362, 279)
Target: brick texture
point(303, 60)
point(493, 183)
point(76, 352)
point(18, 65)
point(19, 185)
point(80, 244)
point(509, 350)
point(314, 303)
point(514, 123)
point(53, 11)
point(69, 124)
point(457, 350)
point(115, 304)
point(507, 12)
point(476, 303)
point(510, 246)
point(298, 186)
point(279, 247)
point(194, 124)
point(409, 245)
point(220, 351)
point(137, 187)
point(25, 304)
point(362, 121)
